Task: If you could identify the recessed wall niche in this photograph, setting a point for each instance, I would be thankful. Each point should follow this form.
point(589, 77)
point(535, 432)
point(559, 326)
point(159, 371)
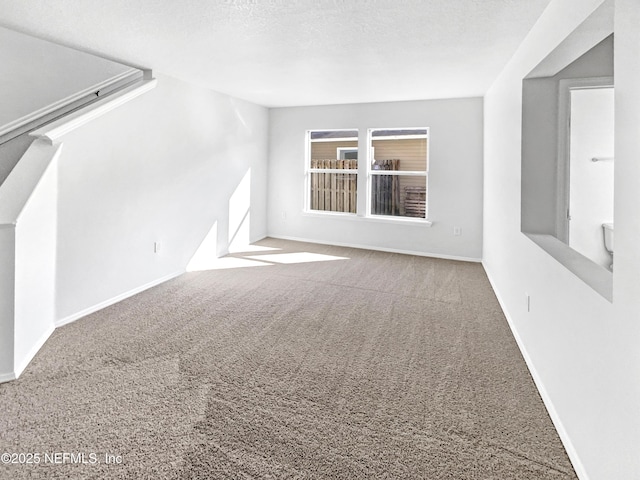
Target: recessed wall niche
point(567, 166)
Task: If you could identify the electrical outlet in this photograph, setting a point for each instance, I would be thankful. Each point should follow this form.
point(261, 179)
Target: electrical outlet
point(457, 231)
point(284, 215)
point(156, 247)
point(528, 297)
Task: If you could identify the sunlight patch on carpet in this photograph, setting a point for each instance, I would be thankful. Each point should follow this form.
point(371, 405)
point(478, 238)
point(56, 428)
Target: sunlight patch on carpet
point(298, 257)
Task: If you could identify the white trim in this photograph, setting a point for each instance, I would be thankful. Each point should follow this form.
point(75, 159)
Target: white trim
point(399, 219)
point(408, 173)
point(546, 399)
point(7, 377)
point(55, 130)
point(329, 213)
point(24, 362)
point(306, 194)
point(399, 137)
point(21, 364)
point(336, 139)
point(93, 89)
point(340, 150)
point(71, 107)
point(351, 171)
point(599, 278)
point(369, 171)
point(306, 199)
point(116, 299)
point(399, 129)
point(379, 249)
point(417, 221)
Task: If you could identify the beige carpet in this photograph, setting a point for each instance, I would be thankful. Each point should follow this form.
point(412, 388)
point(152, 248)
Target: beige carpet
point(368, 366)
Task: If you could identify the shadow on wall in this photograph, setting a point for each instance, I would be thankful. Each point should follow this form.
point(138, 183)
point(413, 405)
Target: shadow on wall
point(233, 237)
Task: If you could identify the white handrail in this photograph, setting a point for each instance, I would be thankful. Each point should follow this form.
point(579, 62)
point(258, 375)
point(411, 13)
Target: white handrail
point(53, 131)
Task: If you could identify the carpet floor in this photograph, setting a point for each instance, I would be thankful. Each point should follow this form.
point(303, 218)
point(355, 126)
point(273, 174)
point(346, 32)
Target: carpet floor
point(298, 361)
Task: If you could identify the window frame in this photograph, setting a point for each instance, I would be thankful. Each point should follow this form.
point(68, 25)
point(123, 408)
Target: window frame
point(370, 172)
point(364, 168)
point(309, 170)
point(342, 150)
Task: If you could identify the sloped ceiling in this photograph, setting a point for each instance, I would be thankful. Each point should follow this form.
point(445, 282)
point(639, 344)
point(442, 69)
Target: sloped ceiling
point(304, 52)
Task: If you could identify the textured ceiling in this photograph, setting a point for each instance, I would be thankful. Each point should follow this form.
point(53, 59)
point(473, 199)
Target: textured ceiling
point(302, 52)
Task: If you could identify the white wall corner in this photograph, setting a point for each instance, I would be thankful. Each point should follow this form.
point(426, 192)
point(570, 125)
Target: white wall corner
point(7, 280)
point(35, 257)
point(7, 377)
point(28, 217)
point(24, 361)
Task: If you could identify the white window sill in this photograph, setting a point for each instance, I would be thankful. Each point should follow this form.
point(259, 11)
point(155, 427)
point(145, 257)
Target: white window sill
point(372, 218)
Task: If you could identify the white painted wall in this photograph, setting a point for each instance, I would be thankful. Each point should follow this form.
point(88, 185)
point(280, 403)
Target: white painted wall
point(10, 152)
point(582, 350)
point(455, 176)
point(28, 209)
point(162, 168)
point(591, 183)
point(35, 269)
point(7, 302)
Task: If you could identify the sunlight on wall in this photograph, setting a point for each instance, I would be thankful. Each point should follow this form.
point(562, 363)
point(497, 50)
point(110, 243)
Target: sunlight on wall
point(239, 215)
point(205, 257)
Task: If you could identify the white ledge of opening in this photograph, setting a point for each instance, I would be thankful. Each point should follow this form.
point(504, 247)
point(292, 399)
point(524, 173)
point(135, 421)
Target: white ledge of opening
point(55, 130)
point(597, 277)
point(373, 218)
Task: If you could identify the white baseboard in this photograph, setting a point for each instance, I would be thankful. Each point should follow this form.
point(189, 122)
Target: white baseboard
point(22, 363)
point(7, 377)
point(116, 299)
point(546, 399)
point(379, 249)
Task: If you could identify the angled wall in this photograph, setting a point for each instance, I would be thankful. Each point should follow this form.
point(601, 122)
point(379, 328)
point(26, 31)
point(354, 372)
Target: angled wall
point(141, 187)
point(133, 195)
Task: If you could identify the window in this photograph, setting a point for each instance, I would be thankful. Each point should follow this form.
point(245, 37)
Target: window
point(330, 153)
point(396, 167)
point(346, 153)
point(397, 174)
